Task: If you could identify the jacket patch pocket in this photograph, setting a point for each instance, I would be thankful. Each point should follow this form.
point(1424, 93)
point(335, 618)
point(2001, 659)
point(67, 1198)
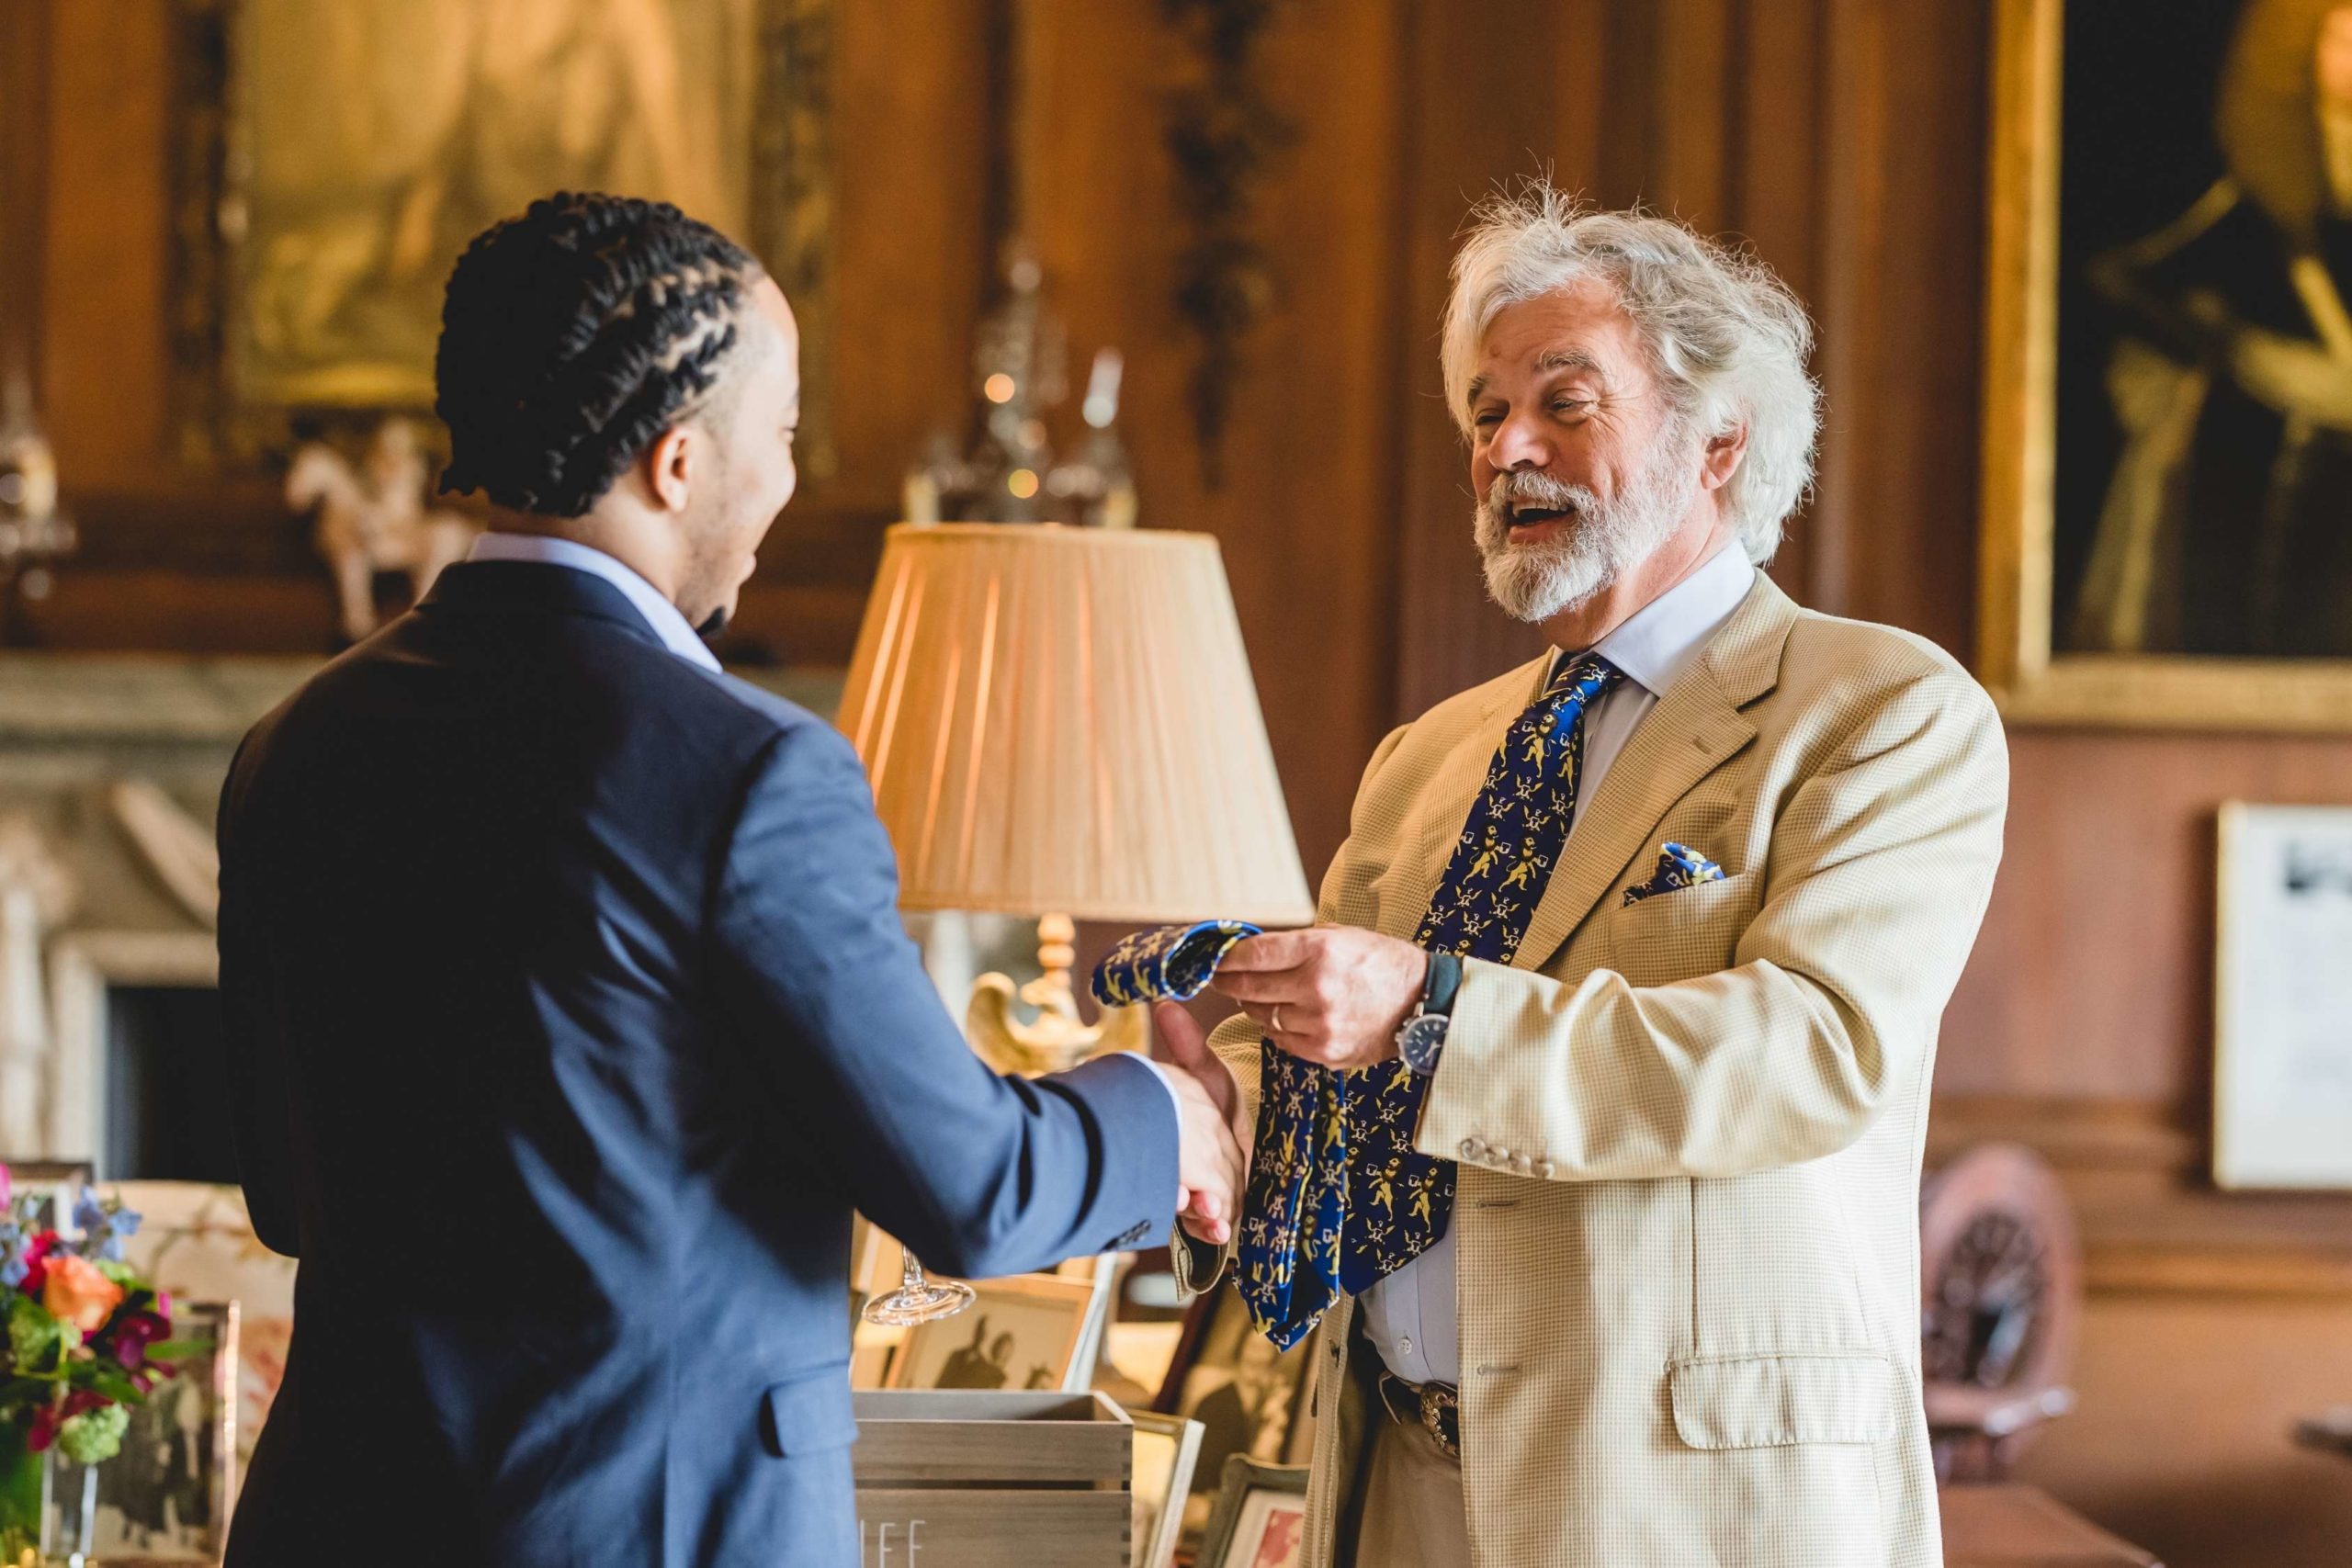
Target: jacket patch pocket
point(1684, 932)
point(812, 1414)
point(1760, 1402)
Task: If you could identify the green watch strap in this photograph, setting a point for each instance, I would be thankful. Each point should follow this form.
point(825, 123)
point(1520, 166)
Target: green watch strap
point(1444, 981)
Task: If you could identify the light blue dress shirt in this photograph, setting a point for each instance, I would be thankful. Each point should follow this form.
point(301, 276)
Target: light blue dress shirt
point(1412, 1317)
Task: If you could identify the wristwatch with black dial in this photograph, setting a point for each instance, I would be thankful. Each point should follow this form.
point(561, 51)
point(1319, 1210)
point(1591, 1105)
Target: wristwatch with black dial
point(1423, 1034)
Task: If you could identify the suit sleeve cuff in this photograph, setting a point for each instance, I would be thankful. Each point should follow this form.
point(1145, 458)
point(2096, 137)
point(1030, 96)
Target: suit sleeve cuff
point(1175, 1106)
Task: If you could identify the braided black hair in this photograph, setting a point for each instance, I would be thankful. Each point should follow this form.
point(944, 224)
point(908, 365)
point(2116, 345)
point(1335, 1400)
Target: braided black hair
point(572, 338)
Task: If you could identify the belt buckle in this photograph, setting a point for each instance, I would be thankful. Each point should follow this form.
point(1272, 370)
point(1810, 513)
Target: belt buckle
point(1440, 1400)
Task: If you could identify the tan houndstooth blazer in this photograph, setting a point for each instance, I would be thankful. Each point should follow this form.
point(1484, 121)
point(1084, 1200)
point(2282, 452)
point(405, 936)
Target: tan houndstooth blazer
point(1689, 1129)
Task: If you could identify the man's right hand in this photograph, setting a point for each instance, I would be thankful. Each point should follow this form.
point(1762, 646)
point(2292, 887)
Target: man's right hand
point(1217, 1136)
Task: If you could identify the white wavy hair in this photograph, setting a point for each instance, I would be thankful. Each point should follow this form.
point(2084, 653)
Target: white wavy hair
point(1728, 340)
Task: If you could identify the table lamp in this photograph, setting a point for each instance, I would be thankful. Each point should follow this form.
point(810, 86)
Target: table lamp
point(1059, 724)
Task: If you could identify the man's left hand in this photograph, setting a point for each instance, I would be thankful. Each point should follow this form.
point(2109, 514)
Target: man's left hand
point(1331, 994)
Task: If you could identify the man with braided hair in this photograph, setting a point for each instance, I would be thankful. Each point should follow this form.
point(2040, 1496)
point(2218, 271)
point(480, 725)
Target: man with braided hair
point(569, 1014)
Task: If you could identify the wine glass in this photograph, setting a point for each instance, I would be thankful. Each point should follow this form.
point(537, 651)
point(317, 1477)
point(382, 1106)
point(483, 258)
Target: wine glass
point(917, 1298)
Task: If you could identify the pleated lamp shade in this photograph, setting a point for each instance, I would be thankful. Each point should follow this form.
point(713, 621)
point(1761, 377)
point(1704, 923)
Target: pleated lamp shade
point(1061, 720)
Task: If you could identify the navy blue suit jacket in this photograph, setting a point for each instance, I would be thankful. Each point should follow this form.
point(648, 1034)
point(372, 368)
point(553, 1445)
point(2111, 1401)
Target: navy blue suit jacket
point(571, 1015)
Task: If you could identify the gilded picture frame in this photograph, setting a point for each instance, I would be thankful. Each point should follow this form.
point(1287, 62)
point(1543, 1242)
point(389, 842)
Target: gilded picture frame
point(308, 256)
point(2036, 676)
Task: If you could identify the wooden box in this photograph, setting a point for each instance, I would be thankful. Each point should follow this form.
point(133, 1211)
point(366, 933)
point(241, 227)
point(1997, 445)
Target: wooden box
point(992, 1480)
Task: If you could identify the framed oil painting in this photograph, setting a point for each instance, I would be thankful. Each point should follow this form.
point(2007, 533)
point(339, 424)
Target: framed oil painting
point(2167, 463)
point(333, 160)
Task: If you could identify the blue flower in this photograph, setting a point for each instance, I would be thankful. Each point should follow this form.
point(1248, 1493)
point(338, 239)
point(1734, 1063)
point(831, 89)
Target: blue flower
point(103, 1226)
point(13, 1267)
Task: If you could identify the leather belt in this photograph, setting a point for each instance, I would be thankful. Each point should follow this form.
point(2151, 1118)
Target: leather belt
point(1435, 1407)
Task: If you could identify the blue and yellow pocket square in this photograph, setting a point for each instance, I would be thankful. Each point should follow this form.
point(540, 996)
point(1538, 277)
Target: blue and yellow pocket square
point(1165, 964)
point(1679, 865)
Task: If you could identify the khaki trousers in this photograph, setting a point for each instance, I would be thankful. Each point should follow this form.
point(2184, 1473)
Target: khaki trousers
point(1414, 1516)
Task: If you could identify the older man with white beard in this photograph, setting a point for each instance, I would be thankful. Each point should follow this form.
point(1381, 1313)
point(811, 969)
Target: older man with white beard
point(1589, 1121)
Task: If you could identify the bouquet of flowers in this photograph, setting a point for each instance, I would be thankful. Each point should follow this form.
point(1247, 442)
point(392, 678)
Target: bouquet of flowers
point(87, 1337)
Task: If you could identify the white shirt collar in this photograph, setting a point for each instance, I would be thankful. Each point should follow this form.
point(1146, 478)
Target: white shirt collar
point(1658, 641)
point(660, 616)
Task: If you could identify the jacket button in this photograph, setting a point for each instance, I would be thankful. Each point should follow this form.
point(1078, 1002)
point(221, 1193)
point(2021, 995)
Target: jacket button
point(1469, 1149)
point(1519, 1163)
point(1544, 1168)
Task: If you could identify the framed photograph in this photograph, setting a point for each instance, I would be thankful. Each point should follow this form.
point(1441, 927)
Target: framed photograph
point(2282, 1068)
point(1250, 1399)
point(1102, 1273)
point(1259, 1520)
point(167, 1497)
point(2167, 440)
point(1021, 1332)
point(1168, 1449)
point(53, 1184)
point(333, 160)
point(196, 1241)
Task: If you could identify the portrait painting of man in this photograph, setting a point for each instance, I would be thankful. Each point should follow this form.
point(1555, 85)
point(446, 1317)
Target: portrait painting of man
point(376, 136)
point(2203, 479)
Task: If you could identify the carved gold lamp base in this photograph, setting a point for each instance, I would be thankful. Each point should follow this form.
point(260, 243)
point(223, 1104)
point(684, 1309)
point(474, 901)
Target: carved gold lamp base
point(1057, 1038)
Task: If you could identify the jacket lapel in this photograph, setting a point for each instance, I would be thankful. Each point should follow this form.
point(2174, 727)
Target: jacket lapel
point(1447, 799)
point(1695, 729)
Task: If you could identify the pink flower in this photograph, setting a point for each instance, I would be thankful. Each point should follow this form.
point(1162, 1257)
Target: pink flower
point(36, 1264)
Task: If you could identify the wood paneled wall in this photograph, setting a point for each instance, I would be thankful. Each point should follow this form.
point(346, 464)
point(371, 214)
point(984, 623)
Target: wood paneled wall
point(1844, 138)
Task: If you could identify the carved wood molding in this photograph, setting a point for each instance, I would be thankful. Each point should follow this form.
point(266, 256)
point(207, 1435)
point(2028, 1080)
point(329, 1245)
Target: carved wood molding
point(1224, 135)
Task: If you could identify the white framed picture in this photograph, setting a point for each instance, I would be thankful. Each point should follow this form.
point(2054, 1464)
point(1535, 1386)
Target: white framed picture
point(1166, 1446)
point(2282, 1060)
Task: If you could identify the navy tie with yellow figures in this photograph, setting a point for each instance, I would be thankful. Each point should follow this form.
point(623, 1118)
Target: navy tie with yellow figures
point(1338, 1198)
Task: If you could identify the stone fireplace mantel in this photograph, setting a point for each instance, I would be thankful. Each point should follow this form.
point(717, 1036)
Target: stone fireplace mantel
point(110, 769)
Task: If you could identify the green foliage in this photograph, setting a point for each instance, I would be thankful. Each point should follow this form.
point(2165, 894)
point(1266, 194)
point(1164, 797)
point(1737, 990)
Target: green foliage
point(105, 1380)
point(37, 1341)
point(94, 1435)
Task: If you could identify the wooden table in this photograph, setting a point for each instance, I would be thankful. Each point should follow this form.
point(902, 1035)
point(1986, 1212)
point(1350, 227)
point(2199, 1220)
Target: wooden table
point(2017, 1527)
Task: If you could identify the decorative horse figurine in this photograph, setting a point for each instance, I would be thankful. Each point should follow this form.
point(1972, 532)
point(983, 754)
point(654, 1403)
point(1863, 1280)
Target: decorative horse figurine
point(373, 518)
